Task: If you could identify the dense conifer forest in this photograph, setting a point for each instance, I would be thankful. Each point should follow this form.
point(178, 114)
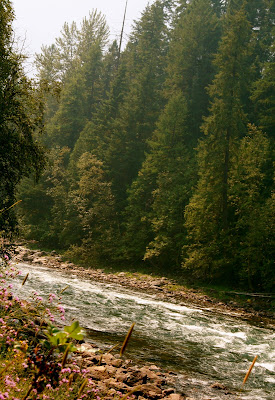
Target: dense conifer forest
point(161, 154)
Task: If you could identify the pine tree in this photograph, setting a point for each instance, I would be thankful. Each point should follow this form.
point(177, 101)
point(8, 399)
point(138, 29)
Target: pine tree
point(92, 196)
point(145, 62)
point(194, 43)
point(208, 213)
point(263, 95)
point(248, 197)
point(171, 154)
point(82, 88)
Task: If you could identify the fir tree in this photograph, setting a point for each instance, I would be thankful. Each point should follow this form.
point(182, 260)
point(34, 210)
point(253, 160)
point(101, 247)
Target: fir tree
point(208, 214)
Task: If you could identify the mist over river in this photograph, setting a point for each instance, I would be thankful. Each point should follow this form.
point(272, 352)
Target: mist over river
point(203, 345)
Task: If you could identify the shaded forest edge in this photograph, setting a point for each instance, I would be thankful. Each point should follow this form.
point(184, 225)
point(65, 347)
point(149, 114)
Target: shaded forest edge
point(157, 158)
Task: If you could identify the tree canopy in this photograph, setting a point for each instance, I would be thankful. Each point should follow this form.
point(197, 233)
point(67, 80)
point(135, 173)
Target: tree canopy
point(20, 119)
point(161, 155)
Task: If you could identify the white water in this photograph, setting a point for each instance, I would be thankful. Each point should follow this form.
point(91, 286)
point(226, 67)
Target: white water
point(206, 345)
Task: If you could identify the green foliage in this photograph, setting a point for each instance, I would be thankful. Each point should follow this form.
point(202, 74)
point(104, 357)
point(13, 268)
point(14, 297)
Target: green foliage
point(194, 43)
point(162, 154)
point(263, 96)
point(60, 340)
point(208, 213)
point(252, 232)
point(20, 117)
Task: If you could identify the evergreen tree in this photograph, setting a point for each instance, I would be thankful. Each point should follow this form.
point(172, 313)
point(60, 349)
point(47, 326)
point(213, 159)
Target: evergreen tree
point(194, 43)
point(263, 95)
point(171, 155)
point(20, 117)
point(82, 84)
point(92, 196)
point(145, 62)
point(247, 196)
point(208, 216)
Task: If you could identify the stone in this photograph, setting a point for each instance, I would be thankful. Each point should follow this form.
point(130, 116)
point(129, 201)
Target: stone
point(145, 389)
point(174, 396)
point(218, 386)
point(135, 377)
point(150, 374)
point(120, 386)
point(97, 372)
point(168, 391)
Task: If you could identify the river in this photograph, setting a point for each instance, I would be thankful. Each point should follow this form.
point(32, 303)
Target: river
point(204, 345)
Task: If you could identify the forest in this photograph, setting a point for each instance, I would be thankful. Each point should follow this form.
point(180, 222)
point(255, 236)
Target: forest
point(160, 153)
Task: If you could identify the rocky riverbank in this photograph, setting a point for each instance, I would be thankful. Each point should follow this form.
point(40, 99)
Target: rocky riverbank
point(114, 375)
point(163, 288)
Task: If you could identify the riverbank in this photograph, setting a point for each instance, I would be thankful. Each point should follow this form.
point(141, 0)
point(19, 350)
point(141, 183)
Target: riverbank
point(163, 288)
point(115, 377)
point(183, 386)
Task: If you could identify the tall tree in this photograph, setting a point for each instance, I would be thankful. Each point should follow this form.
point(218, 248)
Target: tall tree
point(82, 84)
point(145, 62)
point(169, 171)
point(263, 95)
point(248, 196)
point(208, 214)
point(20, 117)
point(194, 43)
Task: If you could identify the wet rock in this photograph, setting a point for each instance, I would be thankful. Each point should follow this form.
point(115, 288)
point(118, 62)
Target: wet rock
point(218, 386)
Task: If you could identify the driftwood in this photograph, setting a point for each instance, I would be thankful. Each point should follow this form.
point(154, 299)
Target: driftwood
point(262, 295)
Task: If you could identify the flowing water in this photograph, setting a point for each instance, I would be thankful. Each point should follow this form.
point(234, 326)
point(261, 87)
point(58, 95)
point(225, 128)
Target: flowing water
point(193, 342)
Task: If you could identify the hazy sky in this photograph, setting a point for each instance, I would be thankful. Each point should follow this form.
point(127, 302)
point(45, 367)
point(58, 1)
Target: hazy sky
point(40, 21)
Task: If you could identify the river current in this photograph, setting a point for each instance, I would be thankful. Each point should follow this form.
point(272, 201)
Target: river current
point(199, 343)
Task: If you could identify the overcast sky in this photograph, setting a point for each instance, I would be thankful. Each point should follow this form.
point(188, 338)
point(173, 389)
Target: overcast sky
point(40, 21)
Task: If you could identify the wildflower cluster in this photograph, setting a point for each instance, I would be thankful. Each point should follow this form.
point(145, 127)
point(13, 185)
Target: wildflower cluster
point(33, 352)
point(35, 361)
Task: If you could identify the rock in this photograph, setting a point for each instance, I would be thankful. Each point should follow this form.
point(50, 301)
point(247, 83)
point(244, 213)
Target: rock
point(174, 396)
point(41, 254)
point(121, 375)
point(111, 371)
point(218, 386)
point(97, 372)
point(26, 257)
point(87, 349)
point(145, 389)
point(154, 367)
point(158, 282)
point(111, 360)
point(150, 374)
point(168, 391)
point(135, 377)
point(113, 383)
